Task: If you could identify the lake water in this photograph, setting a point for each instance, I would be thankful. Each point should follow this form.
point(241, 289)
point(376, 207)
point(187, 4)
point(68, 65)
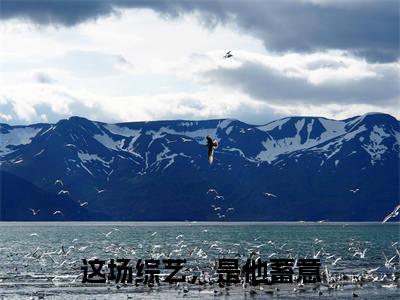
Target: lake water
point(44, 259)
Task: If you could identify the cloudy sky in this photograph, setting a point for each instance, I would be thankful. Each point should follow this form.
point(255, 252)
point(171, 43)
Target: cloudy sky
point(117, 61)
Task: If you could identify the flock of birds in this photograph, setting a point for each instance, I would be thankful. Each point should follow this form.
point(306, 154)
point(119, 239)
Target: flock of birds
point(219, 208)
point(62, 262)
point(216, 208)
point(63, 192)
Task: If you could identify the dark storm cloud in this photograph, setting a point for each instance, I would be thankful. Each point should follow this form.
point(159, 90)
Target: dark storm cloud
point(366, 28)
point(272, 86)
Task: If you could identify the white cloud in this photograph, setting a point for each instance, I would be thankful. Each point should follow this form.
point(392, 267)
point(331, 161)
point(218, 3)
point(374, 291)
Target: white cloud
point(138, 66)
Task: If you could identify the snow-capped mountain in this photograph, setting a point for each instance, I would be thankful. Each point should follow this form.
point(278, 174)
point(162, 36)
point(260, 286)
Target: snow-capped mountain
point(297, 168)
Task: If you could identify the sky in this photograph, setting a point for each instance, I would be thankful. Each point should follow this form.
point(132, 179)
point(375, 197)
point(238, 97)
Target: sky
point(122, 61)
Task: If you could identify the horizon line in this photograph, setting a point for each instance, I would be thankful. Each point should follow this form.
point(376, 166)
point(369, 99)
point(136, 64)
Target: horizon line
point(194, 120)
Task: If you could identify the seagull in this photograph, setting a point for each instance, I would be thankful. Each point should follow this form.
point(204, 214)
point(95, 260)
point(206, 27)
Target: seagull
point(59, 181)
point(34, 212)
point(211, 145)
point(63, 192)
point(281, 247)
point(230, 209)
point(228, 54)
point(83, 203)
point(270, 195)
point(316, 254)
point(388, 262)
point(219, 197)
point(393, 214)
point(335, 262)
point(354, 191)
point(212, 191)
point(185, 140)
point(373, 270)
point(361, 254)
point(108, 233)
point(99, 191)
point(58, 212)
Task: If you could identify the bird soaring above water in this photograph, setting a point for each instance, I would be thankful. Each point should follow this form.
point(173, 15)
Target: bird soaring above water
point(393, 214)
point(34, 212)
point(211, 145)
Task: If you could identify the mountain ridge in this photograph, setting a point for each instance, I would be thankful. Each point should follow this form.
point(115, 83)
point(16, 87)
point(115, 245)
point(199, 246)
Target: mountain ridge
point(161, 162)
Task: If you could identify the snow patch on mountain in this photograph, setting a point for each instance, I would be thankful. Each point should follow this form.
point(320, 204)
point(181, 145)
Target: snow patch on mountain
point(123, 131)
point(86, 157)
point(375, 148)
point(199, 135)
point(240, 153)
point(331, 148)
point(108, 142)
point(164, 156)
point(273, 125)
point(333, 130)
point(188, 124)
point(276, 147)
point(225, 123)
point(16, 137)
point(229, 130)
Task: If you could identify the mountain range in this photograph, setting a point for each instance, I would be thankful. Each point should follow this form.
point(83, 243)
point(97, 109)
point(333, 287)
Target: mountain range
point(292, 169)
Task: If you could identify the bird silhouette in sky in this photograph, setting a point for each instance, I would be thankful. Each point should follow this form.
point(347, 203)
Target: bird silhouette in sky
point(228, 54)
point(211, 145)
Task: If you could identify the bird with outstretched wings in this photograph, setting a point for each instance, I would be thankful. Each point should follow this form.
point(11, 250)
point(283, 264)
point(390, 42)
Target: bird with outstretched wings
point(211, 145)
point(228, 54)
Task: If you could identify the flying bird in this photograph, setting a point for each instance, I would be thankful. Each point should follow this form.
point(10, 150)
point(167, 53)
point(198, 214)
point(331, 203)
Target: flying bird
point(211, 145)
point(270, 195)
point(354, 191)
point(59, 181)
point(58, 212)
point(109, 233)
point(34, 212)
point(83, 203)
point(336, 260)
point(228, 54)
point(99, 191)
point(360, 253)
point(63, 192)
point(393, 214)
point(373, 270)
point(212, 191)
